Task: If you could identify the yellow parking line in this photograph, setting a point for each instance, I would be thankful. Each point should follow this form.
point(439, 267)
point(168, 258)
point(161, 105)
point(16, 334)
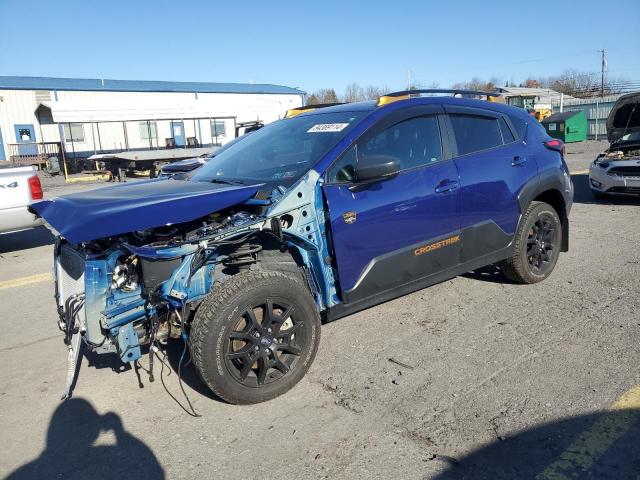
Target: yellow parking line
point(24, 281)
point(628, 400)
point(593, 443)
point(580, 172)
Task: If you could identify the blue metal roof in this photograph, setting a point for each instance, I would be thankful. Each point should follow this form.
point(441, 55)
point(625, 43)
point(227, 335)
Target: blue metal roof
point(107, 85)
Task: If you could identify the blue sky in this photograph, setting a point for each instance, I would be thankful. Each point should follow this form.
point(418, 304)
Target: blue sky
point(319, 44)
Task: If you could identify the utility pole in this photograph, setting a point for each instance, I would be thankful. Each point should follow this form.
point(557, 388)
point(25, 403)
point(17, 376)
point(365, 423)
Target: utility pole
point(603, 64)
point(409, 79)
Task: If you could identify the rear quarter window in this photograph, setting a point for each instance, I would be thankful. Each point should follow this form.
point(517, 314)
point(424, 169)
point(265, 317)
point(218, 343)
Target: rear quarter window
point(520, 126)
point(507, 135)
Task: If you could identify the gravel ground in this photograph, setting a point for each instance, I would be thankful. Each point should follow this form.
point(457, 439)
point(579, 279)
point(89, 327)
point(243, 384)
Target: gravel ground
point(471, 378)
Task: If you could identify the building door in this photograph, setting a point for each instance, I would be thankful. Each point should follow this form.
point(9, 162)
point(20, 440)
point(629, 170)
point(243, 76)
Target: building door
point(26, 138)
point(2, 155)
point(177, 132)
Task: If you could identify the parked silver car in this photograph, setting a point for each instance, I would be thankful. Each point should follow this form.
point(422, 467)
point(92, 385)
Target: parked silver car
point(617, 170)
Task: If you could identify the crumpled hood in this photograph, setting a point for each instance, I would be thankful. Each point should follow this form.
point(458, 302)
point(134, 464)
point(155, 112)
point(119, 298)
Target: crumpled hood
point(624, 118)
point(104, 212)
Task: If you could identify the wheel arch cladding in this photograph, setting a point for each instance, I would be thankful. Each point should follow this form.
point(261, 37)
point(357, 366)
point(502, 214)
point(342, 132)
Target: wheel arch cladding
point(554, 198)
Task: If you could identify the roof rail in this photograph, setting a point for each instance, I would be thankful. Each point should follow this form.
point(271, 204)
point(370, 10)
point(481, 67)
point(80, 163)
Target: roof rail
point(405, 94)
point(292, 112)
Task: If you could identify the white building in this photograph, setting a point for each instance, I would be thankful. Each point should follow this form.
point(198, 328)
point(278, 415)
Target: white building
point(39, 116)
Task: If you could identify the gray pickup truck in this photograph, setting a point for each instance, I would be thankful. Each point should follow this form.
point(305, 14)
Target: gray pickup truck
point(19, 187)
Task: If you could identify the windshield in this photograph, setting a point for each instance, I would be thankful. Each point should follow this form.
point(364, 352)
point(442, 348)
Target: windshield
point(281, 152)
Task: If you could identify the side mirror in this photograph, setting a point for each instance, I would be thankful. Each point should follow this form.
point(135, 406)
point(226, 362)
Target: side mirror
point(376, 167)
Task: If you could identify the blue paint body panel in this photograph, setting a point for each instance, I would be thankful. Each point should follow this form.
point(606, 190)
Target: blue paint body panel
point(490, 185)
point(109, 211)
point(391, 215)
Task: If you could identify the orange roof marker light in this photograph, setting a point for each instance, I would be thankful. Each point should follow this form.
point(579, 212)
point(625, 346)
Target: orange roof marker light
point(406, 94)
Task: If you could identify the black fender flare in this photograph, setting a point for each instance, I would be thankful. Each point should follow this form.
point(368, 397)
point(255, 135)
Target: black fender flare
point(547, 181)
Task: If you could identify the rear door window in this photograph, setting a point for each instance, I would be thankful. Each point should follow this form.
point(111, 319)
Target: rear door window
point(474, 133)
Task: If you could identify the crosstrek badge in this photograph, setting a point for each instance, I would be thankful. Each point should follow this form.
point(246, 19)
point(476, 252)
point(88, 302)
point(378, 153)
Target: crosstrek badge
point(327, 127)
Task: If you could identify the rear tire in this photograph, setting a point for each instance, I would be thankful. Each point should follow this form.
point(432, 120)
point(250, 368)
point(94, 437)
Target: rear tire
point(537, 245)
point(255, 336)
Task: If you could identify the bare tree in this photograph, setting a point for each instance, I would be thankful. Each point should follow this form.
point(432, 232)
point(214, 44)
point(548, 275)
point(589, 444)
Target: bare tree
point(324, 95)
point(372, 92)
point(583, 84)
point(477, 84)
point(531, 83)
point(353, 93)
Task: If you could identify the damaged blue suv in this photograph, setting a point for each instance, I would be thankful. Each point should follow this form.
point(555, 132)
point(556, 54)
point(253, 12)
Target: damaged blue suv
point(311, 217)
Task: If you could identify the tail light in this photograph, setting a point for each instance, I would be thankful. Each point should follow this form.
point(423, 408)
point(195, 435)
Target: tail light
point(557, 145)
point(35, 188)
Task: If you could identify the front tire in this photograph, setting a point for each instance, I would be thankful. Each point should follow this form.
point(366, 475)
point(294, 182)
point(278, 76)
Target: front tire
point(255, 336)
point(536, 245)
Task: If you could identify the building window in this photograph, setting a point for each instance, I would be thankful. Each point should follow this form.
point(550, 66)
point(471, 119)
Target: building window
point(218, 128)
point(148, 130)
point(74, 132)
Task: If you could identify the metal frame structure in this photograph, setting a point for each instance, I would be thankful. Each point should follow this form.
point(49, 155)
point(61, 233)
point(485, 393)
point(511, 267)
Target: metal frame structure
point(63, 143)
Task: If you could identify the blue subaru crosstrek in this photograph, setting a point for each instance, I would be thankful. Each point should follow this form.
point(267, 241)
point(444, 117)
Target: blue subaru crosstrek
point(312, 217)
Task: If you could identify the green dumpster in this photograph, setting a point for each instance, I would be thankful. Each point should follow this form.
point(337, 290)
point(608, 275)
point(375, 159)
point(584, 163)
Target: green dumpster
point(567, 126)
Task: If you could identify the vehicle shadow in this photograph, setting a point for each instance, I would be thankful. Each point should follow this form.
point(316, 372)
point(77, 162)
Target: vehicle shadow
point(26, 239)
point(490, 273)
point(188, 372)
point(582, 194)
point(601, 445)
point(173, 350)
point(71, 453)
point(105, 360)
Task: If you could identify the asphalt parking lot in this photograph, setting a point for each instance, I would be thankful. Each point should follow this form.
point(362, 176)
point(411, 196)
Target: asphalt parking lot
point(472, 378)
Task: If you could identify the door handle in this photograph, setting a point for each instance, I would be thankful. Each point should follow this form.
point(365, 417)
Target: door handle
point(446, 186)
point(517, 161)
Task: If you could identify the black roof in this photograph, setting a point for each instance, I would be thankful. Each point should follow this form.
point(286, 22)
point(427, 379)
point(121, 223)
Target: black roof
point(561, 116)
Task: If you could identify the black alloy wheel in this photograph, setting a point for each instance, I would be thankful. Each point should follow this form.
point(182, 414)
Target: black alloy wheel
point(541, 244)
point(255, 336)
point(263, 346)
point(536, 245)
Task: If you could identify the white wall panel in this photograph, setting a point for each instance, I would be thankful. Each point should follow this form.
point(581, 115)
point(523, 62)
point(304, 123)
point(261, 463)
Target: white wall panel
point(18, 107)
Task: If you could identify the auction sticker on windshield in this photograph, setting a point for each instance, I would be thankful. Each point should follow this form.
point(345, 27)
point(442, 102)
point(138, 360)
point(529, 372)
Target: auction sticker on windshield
point(328, 127)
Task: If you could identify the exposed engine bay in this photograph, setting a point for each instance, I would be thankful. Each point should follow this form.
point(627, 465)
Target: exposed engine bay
point(127, 292)
point(622, 154)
